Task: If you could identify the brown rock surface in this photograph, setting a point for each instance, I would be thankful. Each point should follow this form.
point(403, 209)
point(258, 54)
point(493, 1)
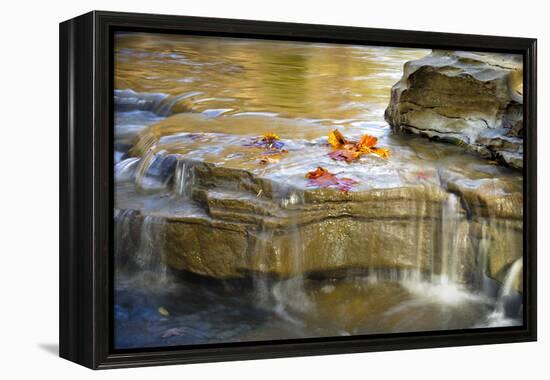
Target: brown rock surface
point(470, 99)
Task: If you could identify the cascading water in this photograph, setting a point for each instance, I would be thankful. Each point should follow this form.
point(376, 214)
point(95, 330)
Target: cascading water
point(196, 177)
point(149, 255)
point(288, 297)
point(138, 247)
point(125, 170)
point(155, 170)
point(184, 179)
point(450, 235)
point(511, 277)
point(508, 307)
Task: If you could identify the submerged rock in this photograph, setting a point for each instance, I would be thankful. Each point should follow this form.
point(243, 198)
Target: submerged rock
point(470, 99)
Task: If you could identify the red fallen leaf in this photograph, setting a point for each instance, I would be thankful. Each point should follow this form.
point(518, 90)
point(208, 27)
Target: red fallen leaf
point(172, 332)
point(321, 177)
point(317, 173)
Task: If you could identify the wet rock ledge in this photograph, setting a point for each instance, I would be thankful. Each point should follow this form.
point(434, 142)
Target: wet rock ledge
point(216, 212)
point(470, 99)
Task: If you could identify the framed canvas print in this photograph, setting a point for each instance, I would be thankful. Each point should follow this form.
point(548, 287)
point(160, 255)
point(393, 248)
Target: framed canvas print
point(238, 189)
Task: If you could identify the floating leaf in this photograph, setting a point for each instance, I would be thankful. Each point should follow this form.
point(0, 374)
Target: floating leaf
point(321, 177)
point(382, 152)
point(272, 145)
point(349, 151)
point(163, 311)
point(366, 142)
point(271, 137)
point(344, 155)
point(336, 139)
point(319, 172)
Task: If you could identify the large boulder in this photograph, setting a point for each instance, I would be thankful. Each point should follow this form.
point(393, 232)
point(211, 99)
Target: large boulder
point(470, 99)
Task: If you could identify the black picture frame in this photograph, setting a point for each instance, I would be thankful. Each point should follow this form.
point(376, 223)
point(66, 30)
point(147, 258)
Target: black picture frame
point(86, 188)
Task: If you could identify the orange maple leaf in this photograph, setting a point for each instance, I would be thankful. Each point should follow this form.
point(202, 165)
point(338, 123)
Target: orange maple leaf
point(349, 151)
point(367, 141)
point(336, 139)
point(268, 137)
point(382, 152)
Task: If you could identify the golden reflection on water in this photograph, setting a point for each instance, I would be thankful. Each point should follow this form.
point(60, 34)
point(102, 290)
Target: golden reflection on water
point(291, 79)
point(301, 90)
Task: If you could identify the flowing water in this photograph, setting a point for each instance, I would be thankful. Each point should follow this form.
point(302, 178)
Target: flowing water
point(206, 98)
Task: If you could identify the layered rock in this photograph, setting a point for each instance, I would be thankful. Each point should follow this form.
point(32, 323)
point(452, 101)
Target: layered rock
point(470, 99)
point(223, 215)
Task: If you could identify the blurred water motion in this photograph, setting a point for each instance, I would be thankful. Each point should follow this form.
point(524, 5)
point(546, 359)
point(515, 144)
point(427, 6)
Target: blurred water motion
point(205, 98)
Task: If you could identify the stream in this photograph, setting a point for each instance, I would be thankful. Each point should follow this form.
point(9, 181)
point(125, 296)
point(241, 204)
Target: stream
point(182, 100)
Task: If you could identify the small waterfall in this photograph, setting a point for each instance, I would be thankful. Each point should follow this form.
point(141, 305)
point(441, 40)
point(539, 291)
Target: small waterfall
point(125, 170)
point(262, 284)
point(509, 304)
point(149, 256)
point(124, 241)
point(292, 198)
point(138, 244)
point(290, 295)
point(450, 217)
point(481, 281)
point(155, 170)
point(511, 278)
point(184, 178)
point(439, 277)
point(287, 298)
